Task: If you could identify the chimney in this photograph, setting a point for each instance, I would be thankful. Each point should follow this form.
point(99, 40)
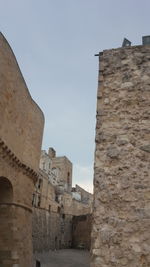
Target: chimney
point(51, 152)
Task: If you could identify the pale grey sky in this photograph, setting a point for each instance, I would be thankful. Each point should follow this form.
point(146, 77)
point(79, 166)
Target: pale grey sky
point(55, 42)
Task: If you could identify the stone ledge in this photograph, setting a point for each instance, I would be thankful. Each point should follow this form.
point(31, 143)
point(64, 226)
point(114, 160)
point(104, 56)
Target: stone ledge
point(17, 205)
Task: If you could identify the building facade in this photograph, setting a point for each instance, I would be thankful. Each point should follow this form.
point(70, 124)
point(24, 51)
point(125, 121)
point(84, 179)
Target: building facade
point(59, 169)
point(55, 206)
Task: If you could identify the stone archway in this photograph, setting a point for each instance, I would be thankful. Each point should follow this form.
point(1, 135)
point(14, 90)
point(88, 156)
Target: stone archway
point(6, 221)
point(6, 191)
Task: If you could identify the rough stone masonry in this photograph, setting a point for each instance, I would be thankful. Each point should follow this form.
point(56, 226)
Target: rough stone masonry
point(121, 218)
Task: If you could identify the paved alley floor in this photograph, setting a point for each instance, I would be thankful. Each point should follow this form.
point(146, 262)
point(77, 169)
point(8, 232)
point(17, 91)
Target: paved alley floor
point(65, 258)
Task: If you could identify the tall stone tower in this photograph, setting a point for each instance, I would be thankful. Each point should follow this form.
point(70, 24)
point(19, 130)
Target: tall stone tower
point(21, 129)
point(121, 218)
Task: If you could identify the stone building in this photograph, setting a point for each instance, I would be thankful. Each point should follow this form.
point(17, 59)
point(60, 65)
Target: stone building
point(121, 216)
point(54, 206)
point(59, 169)
point(21, 130)
point(84, 196)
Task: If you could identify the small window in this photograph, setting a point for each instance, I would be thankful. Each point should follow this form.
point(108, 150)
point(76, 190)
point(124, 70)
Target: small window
point(43, 165)
point(49, 208)
point(39, 201)
point(33, 200)
point(68, 178)
point(39, 184)
point(56, 198)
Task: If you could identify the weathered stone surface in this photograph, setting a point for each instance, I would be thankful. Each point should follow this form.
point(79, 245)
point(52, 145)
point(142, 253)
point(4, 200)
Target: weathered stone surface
point(113, 152)
point(146, 148)
point(51, 231)
point(21, 128)
point(121, 217)
point(81, 231)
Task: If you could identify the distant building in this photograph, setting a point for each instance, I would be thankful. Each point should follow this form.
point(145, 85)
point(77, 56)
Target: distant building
point(58, 169)
point(56, 203)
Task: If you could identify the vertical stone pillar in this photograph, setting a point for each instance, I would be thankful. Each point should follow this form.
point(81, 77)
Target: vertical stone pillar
point(121, 218)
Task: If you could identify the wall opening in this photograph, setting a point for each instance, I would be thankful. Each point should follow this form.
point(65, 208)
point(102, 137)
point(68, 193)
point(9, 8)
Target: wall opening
point(6, 220)
point(68, 178)
point(38, 264)
point(6, 190)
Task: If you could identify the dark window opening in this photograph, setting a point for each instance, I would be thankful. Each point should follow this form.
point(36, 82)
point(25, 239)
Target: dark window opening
point(68, 178)
point(39, 184)
point(63, 216)
point(56, 198)
point(38, 264)
point(39, 201)
point(33, 199)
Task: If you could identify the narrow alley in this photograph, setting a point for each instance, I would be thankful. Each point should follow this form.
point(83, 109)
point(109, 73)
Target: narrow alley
point(65, 258)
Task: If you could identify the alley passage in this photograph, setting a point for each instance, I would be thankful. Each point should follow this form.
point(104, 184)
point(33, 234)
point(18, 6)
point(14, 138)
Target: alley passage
point(66, 258)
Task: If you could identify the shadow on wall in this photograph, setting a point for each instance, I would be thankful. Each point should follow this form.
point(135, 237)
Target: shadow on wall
point(6, 219)
point(6, 190)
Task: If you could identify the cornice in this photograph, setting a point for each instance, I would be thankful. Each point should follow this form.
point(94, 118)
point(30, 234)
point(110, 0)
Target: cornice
point(13, 161)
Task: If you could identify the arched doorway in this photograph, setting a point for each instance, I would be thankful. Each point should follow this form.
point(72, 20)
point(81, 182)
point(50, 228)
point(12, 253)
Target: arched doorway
point(6, 221)
point(6, 191)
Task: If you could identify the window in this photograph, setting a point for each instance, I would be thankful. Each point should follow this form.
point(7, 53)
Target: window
point(68, 178)
point(43, 165)
point(39, 184)
point(56, 198)
point(39, 201)
point(33, 200)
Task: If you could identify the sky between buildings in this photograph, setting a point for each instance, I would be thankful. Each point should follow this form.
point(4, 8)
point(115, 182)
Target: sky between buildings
point(55, 42)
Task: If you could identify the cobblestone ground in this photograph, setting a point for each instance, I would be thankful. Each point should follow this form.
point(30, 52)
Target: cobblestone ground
point(65, 258)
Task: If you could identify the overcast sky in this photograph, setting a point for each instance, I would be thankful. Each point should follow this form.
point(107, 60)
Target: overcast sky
point(55, 42)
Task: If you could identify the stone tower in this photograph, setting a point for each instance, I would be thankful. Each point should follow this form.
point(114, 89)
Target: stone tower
point(21, 128)
point(121, 217)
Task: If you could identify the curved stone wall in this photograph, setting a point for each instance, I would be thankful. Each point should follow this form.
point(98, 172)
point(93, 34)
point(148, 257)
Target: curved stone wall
point(21, 130)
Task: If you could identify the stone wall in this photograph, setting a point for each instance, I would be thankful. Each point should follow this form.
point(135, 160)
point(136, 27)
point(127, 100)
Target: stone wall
point(51, 230)
point(52, 217)
point(121, 217)
point(18, 111)
point(21, 128)
point(74, 207)
point(81, 231)
point(86, 197)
